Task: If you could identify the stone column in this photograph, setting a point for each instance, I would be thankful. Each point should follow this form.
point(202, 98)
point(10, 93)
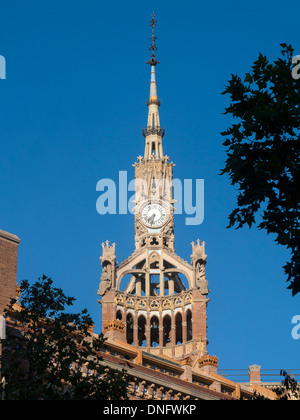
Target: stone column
point(173, 329)
point(161, 284)
point(147, 284)
point(184, 325)
point(135, 330)
point(171, 285)
point(148, 331)
point(138, 287)
point(161, 331)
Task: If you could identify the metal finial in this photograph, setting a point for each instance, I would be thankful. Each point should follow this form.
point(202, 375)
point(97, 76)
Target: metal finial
point(153, 46)
point(153, 37)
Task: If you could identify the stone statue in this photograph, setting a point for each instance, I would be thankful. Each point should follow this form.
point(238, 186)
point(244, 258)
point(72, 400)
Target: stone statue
point(105, 281)
point(201, 281)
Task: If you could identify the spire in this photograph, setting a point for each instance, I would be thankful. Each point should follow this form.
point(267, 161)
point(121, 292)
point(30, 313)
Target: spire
point(153, 62)
point(153, 133)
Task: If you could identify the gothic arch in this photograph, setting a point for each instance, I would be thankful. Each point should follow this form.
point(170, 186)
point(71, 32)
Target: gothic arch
point(127, 266)
point(129, 328)
point(189, 325)
point(154, 331)
point(167, 326)
point(119, 314)
point(178, 328)
point(142, 331)
point(154, 258)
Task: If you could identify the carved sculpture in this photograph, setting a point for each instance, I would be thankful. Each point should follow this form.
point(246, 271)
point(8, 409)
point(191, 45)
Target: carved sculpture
point(108, 261)
point(201, 281)
point(105, 281)
point(199, 258)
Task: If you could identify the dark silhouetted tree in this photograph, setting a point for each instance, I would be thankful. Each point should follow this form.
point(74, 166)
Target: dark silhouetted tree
point(46, 349)
point(263, 153)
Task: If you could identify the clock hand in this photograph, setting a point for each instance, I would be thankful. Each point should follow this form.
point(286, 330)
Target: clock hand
point(151, 219)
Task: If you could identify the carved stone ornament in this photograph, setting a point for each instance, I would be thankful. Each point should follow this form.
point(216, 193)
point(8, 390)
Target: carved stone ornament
point(201, 281)
point(208, 360)
point(105, 281)
point(108, 260)
point(114, 324)
point(198, 251)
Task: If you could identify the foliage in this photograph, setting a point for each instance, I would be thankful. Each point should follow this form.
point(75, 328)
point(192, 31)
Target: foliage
point(47, 347)
point(263, 156)
point(287, 391)
point(289, 388)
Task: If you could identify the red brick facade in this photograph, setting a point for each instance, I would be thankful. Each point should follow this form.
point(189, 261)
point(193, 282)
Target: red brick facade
point(8, 267)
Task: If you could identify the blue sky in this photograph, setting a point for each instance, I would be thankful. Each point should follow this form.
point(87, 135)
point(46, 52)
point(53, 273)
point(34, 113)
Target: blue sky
point(71, 111)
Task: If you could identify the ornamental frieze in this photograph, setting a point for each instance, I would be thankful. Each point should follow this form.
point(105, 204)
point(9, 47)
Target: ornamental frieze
point(154, 303)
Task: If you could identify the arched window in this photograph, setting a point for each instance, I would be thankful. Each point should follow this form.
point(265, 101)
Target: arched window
point(119, 315)
point(153, 144)
point(142, 331)
point(166, 330)
point(154, 332)
point(178, 328)
point(129, 329)
point(189, 332)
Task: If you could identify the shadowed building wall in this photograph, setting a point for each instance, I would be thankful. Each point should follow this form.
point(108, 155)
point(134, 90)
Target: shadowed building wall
point(9, 244)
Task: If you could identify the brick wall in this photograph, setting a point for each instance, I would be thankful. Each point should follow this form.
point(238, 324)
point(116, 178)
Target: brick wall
point(8, 267)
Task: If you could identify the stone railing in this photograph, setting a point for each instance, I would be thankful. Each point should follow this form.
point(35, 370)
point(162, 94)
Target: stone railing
point(153, 302)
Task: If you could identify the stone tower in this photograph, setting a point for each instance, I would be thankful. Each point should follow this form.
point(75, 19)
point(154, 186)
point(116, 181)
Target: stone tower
point(154, 299)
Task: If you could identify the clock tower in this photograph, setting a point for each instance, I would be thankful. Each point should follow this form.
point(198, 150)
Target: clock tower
point(155, 300)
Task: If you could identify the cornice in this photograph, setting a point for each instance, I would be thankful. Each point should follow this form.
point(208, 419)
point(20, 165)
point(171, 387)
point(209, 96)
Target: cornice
point(9, 237)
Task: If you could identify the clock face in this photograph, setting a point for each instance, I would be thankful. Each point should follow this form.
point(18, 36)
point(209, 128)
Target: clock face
point(154, 214)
